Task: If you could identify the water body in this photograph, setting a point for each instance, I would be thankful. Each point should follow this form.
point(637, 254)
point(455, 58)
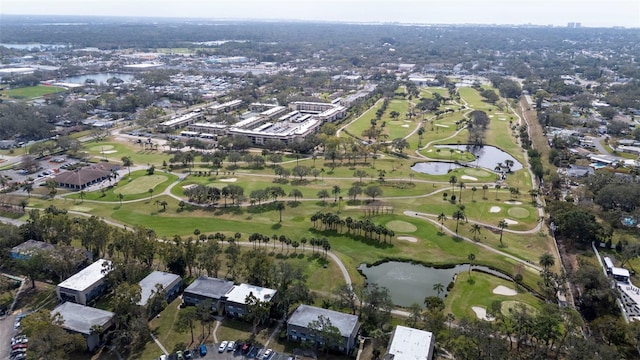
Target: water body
point(98, 78)
point(434, 167)
point(486, 156)
point(411, 283)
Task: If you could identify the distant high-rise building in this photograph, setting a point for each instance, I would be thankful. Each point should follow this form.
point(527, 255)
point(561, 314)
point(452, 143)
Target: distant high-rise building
point(571, 25)
point(578, 25)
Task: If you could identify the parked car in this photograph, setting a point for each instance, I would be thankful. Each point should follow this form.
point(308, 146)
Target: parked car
point(203, 350)
point(231, 345)
point(223, 346)
point(267, 354)
point(187, 354)
point(179, 355)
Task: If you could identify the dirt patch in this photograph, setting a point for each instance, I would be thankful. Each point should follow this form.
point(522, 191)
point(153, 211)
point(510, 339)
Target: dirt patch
point(408, 238)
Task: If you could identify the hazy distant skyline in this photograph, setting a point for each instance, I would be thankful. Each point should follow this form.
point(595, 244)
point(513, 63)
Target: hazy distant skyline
point(590, 13)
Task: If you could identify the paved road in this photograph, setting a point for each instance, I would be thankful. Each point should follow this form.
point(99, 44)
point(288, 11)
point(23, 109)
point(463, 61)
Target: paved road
point(6, 332)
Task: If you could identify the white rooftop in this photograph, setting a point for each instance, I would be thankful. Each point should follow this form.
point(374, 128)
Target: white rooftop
point(616, 271)
point(410, 344)
point(238, 294)
point(87, 276)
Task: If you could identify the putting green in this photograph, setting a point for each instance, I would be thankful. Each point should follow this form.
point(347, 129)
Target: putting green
point(142, 184)
point(476, 172)
point(401, 226)
point(511, 304)
point(518, 212)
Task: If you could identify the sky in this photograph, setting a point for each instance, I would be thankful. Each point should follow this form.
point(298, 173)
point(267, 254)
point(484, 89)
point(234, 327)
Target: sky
point(590, 13)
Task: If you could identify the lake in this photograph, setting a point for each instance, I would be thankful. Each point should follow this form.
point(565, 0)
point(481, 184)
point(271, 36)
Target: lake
point(486, 157)
point(434, 167)
point(411, 283)
point(99, 78)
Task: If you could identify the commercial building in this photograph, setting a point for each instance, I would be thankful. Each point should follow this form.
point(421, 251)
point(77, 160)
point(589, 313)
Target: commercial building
point(170, 283)
point(410, 344)
point(181, 121)
point(84, 320)
point(236, 300)
point(85, 285)
point(86, 176)
point(224, 107)
point(347, 324)
point(207, 288)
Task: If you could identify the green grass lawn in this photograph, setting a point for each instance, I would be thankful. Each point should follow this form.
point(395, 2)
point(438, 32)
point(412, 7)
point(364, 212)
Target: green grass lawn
point(31, 92)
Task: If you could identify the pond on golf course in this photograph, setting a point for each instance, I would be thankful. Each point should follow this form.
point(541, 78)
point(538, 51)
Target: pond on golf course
point(486, 157)
point(410, 283)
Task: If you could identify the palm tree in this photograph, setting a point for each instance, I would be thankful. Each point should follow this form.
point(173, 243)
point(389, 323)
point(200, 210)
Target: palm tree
point(453, 180)
point(475, 229)
point(473, 192)
point(438, 287)
point(120, 197)
point(485, 187)
point(502, 224)
point(82, 194)
point(458, 215)
point(150, 194)
point(28, 187)
point(461, 186)
point(497, 188)
point(280, 207)
point(442, 218)
point(450, 319)
point(126, 161)
point(546, 261)
point(336, 191)
point(471, 257)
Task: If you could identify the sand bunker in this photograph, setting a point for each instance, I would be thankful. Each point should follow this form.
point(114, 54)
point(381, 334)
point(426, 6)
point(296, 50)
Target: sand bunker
point(190, 186)
point(513, 202)
point(481, 313)
point(405, 125)
point(510, 222)
point(441, 125)
point(110, 151)
point(228, 180)
point(495, 209)
point(467, 177)
point(503, 290)
point(408, 238)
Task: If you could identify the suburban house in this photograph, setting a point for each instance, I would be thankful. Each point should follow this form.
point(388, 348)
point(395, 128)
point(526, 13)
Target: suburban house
point(81, 178)
point(85, 320)
point(235, 305)
point(85, 285)
point(347, 324)
point(171, 284)
point(410, 344)
point(207, 288)
point(27, 248)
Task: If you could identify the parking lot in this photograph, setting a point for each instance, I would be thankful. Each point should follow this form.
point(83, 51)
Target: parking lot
point(251, 352)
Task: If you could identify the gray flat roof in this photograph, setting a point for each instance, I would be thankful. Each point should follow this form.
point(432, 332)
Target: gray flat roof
point(148, 284)
point(80, 318)
point(209, 287)
point(410, 344)
point(30, 246)
point(305, 314)
point(86, 277)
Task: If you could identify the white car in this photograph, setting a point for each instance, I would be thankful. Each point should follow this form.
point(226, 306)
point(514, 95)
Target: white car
point(267, 354)
point(231, 345)
point(223, 346)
